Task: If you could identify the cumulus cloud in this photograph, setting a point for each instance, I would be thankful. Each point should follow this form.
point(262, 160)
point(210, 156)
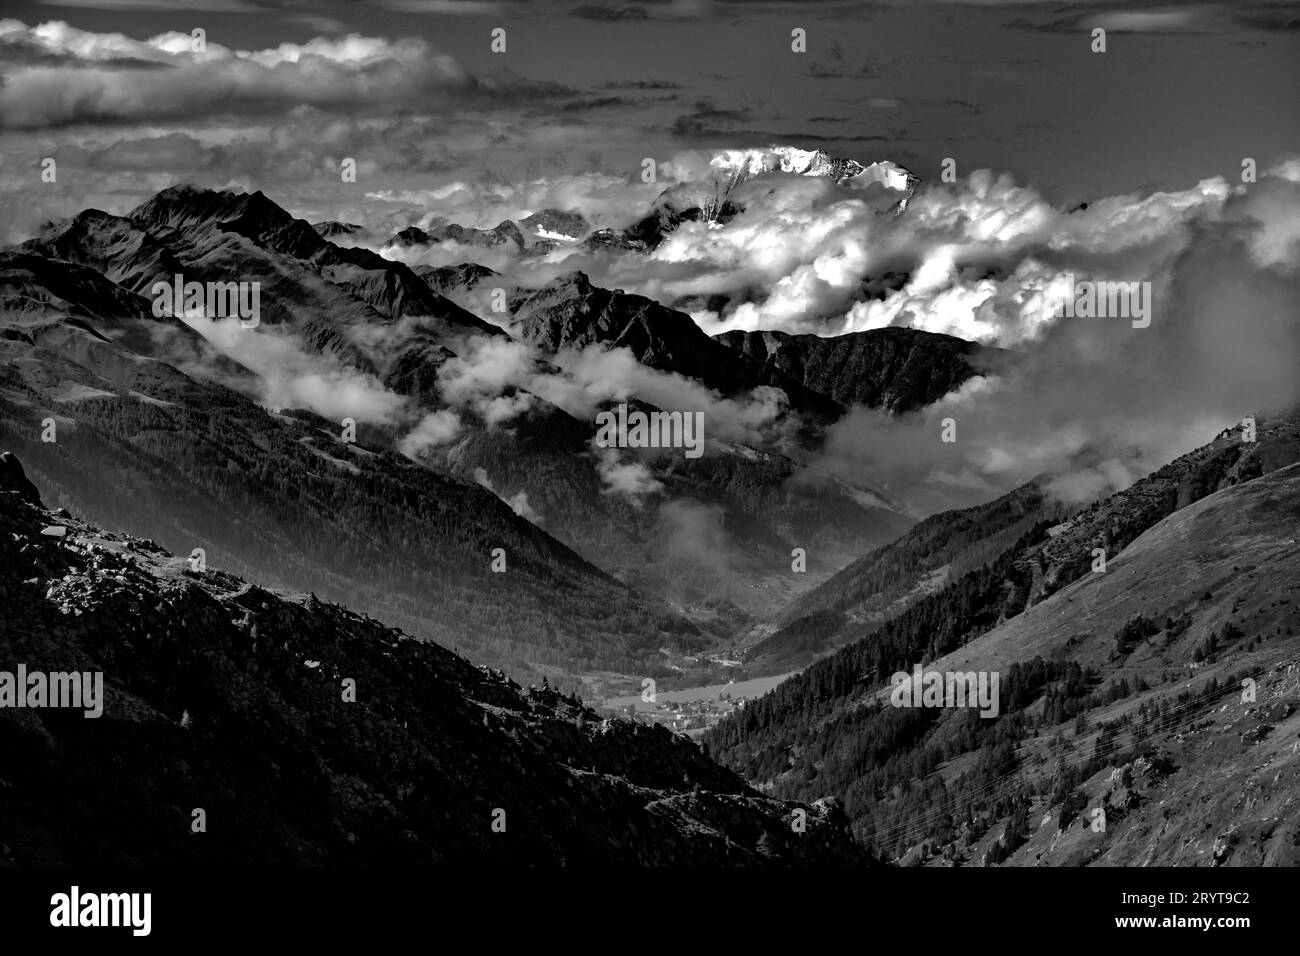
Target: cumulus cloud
point(981, 259)
point(1096, 403)
point(978, 260)
point(90, 77)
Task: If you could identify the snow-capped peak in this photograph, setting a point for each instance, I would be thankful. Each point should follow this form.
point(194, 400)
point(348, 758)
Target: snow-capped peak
point(737, 165)
point(745, 163)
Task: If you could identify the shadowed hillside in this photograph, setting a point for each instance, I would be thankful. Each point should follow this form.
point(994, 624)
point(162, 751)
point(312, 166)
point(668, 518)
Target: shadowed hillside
point(309, 734)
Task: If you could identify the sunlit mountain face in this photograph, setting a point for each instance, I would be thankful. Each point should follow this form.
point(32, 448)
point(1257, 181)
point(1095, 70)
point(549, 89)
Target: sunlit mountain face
point(564, 368)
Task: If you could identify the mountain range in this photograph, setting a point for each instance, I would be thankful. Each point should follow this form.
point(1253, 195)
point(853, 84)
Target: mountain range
point(76, 294)
point(246, 517)
point(711, 198)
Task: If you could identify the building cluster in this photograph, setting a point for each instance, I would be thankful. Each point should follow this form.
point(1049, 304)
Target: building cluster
point(687, 716)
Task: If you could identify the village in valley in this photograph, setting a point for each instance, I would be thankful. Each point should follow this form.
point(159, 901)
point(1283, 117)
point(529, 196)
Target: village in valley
point(690, 711)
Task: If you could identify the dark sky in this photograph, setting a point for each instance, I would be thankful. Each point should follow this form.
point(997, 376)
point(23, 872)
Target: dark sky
point(1183, 93)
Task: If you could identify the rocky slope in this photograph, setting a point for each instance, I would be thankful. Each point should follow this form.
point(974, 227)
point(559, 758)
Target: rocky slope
point(556, 224)
point(223, 696)
point(505, 232)
point(570, 312)
point(895, 369)
point(445, 279)
point(333, 229)
point(344, 303)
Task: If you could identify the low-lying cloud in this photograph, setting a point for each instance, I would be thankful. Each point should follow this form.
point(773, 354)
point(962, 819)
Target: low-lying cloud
point(288, 376)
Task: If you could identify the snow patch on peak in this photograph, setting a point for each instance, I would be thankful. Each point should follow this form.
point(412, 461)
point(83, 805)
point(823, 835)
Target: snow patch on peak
point(543, 233)
point(786, 159)
point(738, 165)
point(889, 175)
point(745, 163)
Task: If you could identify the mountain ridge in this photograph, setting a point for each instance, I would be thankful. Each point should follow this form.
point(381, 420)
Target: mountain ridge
point(1103, 674)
